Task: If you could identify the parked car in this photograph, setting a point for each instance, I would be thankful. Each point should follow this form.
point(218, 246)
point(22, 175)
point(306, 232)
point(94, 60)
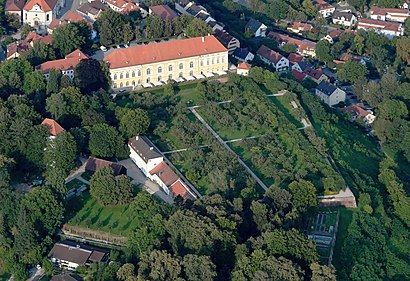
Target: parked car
point(103, 48)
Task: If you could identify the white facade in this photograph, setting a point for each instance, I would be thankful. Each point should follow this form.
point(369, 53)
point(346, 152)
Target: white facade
point(145, 167)
point(261, 31)
point(281, 65)
point(39, 18)
point(337, 96)
point(327, 12)
point(345, 21)
point(397, 16)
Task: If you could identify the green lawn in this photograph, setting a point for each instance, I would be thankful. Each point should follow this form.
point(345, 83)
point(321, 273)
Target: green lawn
point(282, 102)
point(84, 211)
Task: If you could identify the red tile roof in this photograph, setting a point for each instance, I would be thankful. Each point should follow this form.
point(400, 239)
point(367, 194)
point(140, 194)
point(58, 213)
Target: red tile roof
point(378, 24)
point(164, 11)
point(357, 110)
point(69, 62)
point(56, 23)
point(72, 16)
point(315, 73)
point(302, 26)
point(165, 173)
point(244, 65)
point(164, 51)
point(130, 6)
point(294, 58)
point(26, 44)
point(299, 76)
point(180, 188)
point(384, 11)
point(14, 5)
point(269, 54)
point(53, 127)
point(285, 39)
point(45, 5)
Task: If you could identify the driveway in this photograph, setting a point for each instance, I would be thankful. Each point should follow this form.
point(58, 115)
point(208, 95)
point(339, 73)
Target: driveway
point(139, 178)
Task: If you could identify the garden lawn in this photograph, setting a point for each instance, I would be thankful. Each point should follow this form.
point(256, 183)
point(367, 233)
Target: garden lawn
point(84, 211)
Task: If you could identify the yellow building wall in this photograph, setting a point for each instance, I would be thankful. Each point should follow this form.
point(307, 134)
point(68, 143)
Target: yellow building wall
point(165, 70)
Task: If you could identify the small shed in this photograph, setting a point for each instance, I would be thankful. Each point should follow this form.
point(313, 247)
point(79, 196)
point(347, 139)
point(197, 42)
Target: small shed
point(94, 164)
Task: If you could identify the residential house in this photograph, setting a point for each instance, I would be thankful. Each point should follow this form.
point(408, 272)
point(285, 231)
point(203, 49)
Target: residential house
point(357, 111)
point(389, 14)
point(303, 47)
point(66, 65)
point(301, 66)
point(257, 28)
point(163, 11)
point(279, 62)
point(344, 7)
point(388, 29)
point(123, 6)
point(70, 16)
point(405, 5)
point(15, 7)
point(230, 42)
point(94, 164)
point(299, 76)
point(53, 127)
point(69, 255)
point(344, 18)
point(243, 54)
point(330, 94)
point(333, 36)
point(316, 75)
point(40, 13)
point(190, 8)
point(346, 57)
point(243, 69)
point(299, 27)
point(216, 25)
point(324, 8)
point(92, 10)
point(151, 162)
point(15, 49)
point(157, 63)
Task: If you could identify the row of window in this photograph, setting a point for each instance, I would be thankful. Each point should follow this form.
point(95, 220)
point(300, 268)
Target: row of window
point(170, 68)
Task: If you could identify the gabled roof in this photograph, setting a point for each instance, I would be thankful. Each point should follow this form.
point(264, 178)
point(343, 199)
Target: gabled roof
point(53, 127)
point(56, 23)
point(244, 65)
point(45, 5)
point(378, 24)
point(180, 188)
point(92, 7)
point(164, 51)
point(69, 62)
point(241, 53)
point(72, 252)
point(14, 5)
point(357, 110)
point(224, 37)
point(303, 26)
point(73, 16)
point(335, 33)
point(63, 277)
point(384, 11)
point(314, 73)
point(326, 88)
point(269, 54)
point(164, 11)
point(94, 164)
point(340, 15)
point(165, 173)
point(285, 39)
point(294, 58)
point(299, 76)
point(144, 148)
point(253, 25)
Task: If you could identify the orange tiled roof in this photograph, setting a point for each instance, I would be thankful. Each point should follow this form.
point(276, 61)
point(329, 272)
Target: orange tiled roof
point(53, 127)
point(244, 65)
point(378, 24)
point(384, 11)
point(269, 54)
point(179, 188)
point(69, 62)
point(72, 16)
point(14, 5)
point(164, 11)
point(299, 76)
point(45, 5)
point(293, 57)
point(165, 173)
point(164, 51)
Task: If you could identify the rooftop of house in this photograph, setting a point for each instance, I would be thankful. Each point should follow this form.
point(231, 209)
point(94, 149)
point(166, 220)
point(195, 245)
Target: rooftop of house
point(180, 188)
point(312, 72)
point(74, 16)
point(302, 26)
point(322, 5)
point(326, 88)
point(79, 254)
point(56, 23)
point(164, 11)
point(164, 51)
point(356, 110)
point(45, 5)
point(378, 24)
point(53, 127)
point(384, 11)
point(244, 65)
point(92, 7)
point(285, 39)
point(14, 5)
point(69, 62)
point(295, 58)
point(63, 277)
point(94, 164)
point(269, 54)
point(165, 173)
point(334, 34)
point(340, 15)
point(224, 37)
point(129, 7)
point(241, 53)
point(144, 148)
point(299, 76)
point(253, 25)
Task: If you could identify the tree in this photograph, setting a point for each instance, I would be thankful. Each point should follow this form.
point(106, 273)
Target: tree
point(154, 27)
point(25, 30)
point(277, 10)
point(197, 28)
point(128, 33)
point(110, 190)
point(198, 268)
point(53, 82)
point(353, 72)
point(159, 266)
point(279, 269)
point(104, 141)
point(69, 37)
point(110, 26)
point(34, 83)
point(56, 105)
point(59, 158)
point(288, 48)
point(304, 195)
point(89, 76)
point(39, 53)
point(126, 271)
point(403, 51)
point(407, 27)
point(66, 82)
point(322, 273)
point(323, 51)
point(134, 122)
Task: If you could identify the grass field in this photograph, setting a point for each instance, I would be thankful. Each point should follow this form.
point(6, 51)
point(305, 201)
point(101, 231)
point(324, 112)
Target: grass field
point(84, 211)
point(283, 105)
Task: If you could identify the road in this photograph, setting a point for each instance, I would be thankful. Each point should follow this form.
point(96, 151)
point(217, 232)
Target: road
point(199, 117)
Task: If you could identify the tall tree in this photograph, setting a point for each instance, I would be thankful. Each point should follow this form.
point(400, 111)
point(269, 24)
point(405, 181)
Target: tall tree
point(110, 26)
point(69, 37)
point(197, 28)
point(104, 141)
point(89, 76)
point(134, 122)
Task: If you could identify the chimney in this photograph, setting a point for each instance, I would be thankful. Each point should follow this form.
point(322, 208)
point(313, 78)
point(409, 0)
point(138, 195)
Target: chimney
point(203, 39)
